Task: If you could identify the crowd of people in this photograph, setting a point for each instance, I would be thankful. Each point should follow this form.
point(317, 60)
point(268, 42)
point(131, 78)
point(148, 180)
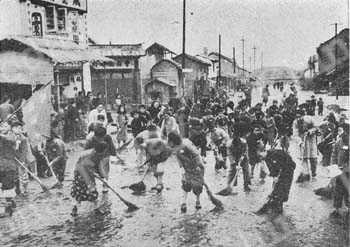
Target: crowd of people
point(254, 139)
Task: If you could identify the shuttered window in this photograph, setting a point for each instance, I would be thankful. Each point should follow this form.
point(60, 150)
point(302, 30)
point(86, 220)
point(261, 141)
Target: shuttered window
point(50, 18)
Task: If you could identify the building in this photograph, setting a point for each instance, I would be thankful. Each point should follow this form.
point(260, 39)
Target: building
point(195, 80)
point(123, 76)
point(46, 42)
point(231, 75)
point(164, 83)
point(333, 61)
point(153, 54)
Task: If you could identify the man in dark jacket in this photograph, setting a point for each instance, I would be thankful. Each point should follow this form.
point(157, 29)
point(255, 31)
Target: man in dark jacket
point(71, 122)
point(281, 167)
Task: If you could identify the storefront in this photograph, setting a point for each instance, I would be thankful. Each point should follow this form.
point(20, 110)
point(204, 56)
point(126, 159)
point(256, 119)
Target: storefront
point(26, 62)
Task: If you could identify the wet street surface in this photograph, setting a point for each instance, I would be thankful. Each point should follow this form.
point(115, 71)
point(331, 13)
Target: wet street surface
point(43, 219)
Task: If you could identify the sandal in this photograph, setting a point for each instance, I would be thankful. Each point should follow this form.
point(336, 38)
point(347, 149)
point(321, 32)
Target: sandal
point(198, 205)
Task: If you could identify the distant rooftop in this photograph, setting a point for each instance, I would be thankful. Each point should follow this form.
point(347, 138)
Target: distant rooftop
point(119, 50)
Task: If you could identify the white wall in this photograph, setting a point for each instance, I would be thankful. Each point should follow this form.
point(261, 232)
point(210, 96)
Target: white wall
point(15, 19)
point(23, 68)
point(10, 17)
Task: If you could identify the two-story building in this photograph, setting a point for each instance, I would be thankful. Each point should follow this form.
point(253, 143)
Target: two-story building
point(333, 61)
point(164, 83)
point(153, 54)
point(44, 41)
point(195, 81)
point(231, 74)
point(122, 77)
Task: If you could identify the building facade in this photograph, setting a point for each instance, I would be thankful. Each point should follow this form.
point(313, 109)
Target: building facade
point(164, 83)
point(122, 77)
point(231, 75)
point(58, 19)
point(195, 81)
point(333, 62)
point(45, 41)
point(153, 54)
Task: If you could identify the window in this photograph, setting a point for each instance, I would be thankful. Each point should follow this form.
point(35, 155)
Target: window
point(119, 63)
point(127, 63)
point(37, 24)
point(76, 2)
point(50, 18)
point(61, 19)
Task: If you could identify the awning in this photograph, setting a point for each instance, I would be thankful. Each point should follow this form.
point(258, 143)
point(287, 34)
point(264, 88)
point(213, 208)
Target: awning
point(162, 80)
point(59, 51)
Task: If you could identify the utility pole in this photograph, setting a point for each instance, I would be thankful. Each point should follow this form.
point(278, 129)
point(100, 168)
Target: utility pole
point(254, 56)
point(183, 45)
point(234, 59)
point(243, 56)
point(262, 60)
point(219, 74)
point(250, 63)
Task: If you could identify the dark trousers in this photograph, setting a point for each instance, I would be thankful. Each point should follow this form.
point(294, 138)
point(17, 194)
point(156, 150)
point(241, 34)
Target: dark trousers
point(280, 192)
point(341, 192)
point(233, 170)
point(59, 169)
point(320, 111)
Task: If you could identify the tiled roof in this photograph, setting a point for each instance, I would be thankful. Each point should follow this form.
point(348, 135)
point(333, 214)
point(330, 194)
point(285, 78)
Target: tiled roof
point(193, 58)
point(119, 50)
point(59, 51)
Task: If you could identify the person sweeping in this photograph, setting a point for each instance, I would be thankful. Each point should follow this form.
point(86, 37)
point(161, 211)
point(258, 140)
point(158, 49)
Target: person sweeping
point(193, 178)
point(281, 167)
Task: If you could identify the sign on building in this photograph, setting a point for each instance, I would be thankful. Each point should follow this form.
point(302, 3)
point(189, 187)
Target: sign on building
point(76, 4)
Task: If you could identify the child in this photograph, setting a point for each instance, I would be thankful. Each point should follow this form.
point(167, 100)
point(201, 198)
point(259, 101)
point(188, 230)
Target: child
point(137, 124)
point(198, 135)
point(152, 131)
point(144, 115)
point(281, 167)
point(122, 121)
point(100, 135)
point(157, 152)
point(238, 156)
point(341, 191)
point(219, 137)
point(320, 106)
point(190, 160)
point(88, 165)
point(9, 171)
point(56, 154)
point(25, 155)
point(169, 125)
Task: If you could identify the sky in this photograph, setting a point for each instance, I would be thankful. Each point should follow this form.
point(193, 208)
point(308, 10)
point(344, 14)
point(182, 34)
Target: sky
point(287, 32)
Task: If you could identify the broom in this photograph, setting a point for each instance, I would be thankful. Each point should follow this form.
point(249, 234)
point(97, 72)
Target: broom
point(218, 204)
point(53, 173)
point(130, 205)
point(226, 192)
point(43, 187)
point(140, 186)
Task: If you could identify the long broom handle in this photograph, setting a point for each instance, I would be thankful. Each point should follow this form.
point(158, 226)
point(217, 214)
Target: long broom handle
point(32, 174)
point(127, 203)
point(50, 167)
point(20, 107)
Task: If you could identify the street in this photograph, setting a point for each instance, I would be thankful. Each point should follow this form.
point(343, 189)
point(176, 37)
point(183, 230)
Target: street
point(44, 218)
